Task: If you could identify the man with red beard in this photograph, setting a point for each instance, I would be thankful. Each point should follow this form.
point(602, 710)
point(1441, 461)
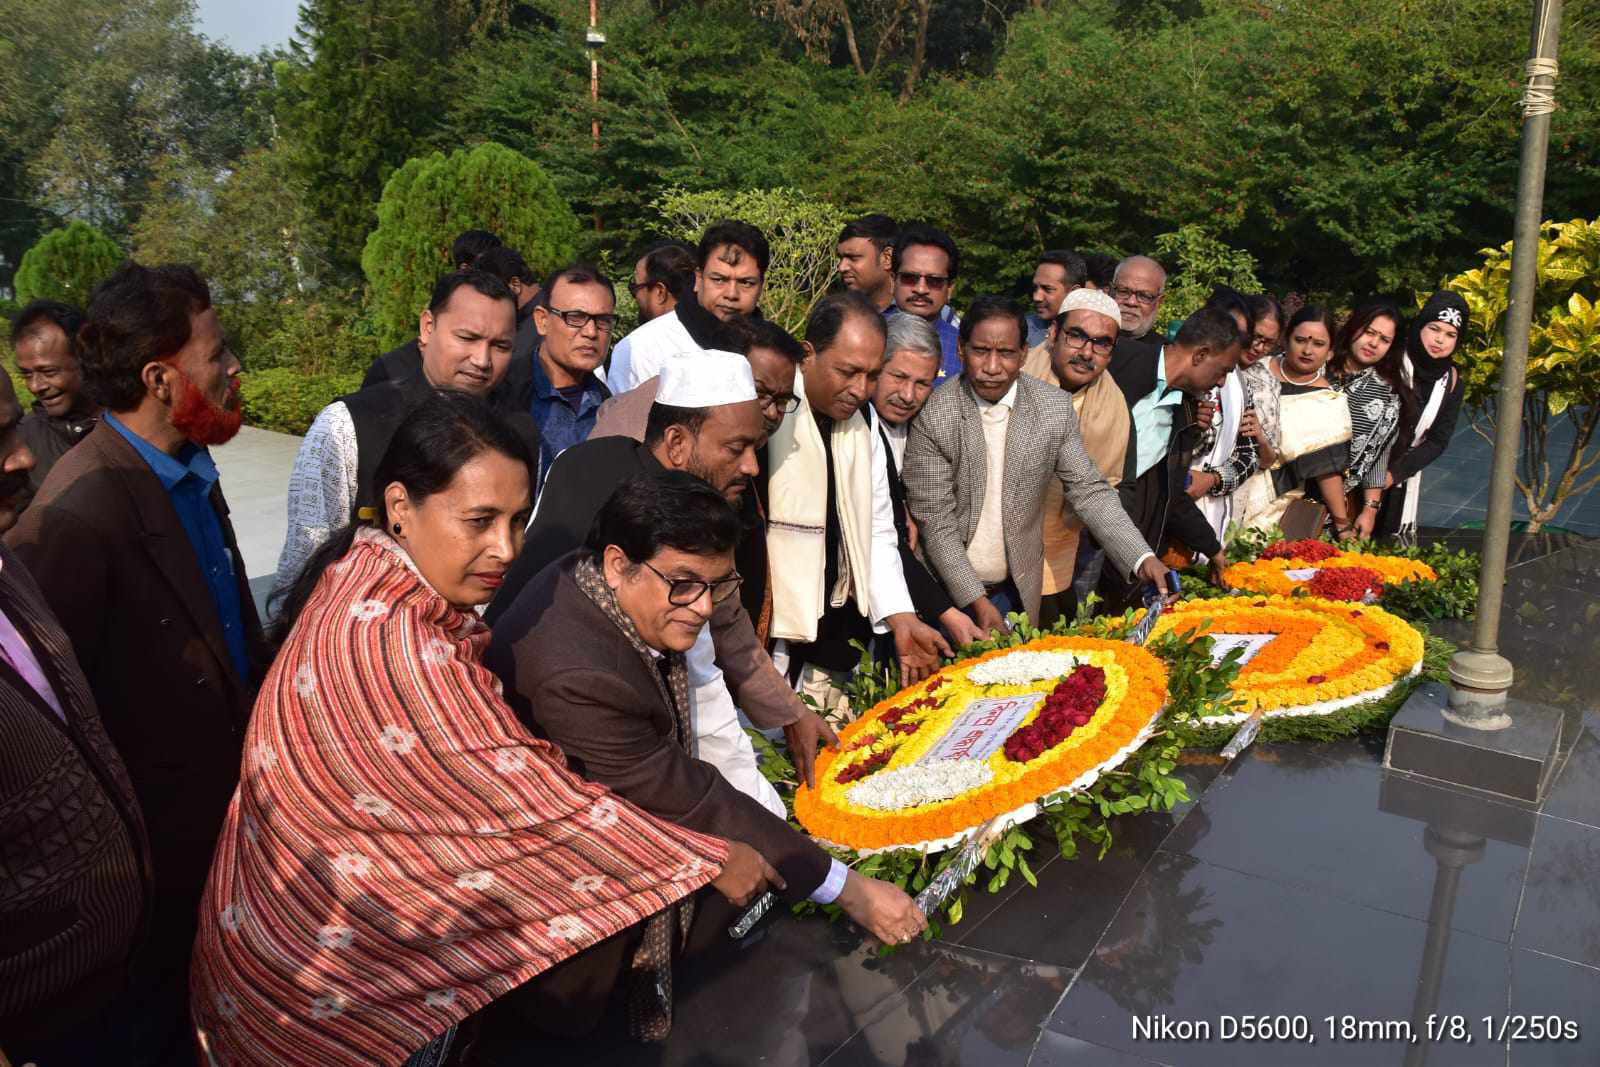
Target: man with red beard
point(130, 541)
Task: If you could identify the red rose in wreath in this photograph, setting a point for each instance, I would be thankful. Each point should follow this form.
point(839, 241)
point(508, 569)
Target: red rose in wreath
point(1345, 583)
point(1308, 549)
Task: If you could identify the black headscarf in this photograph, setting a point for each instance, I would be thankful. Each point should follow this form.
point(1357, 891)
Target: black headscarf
point(1443, 306)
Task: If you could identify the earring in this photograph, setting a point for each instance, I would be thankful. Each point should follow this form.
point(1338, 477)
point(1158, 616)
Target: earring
point(396, 529)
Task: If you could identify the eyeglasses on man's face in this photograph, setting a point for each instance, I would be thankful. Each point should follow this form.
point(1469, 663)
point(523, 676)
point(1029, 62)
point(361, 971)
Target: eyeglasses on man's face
point(911, 279)
point(1143, 296)
point(577, 320)
point(683, 592)
point(784, 403)
point(1073, 337)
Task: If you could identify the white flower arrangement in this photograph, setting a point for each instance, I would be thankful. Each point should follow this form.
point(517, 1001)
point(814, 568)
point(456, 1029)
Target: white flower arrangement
point(919, 783)
point(1024, 668)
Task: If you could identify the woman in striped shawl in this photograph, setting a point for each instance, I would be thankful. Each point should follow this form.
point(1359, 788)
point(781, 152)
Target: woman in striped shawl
point(401, 851)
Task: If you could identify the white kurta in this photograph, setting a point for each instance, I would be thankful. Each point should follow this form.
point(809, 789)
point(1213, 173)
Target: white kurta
point(322, 493)
point(638, 357)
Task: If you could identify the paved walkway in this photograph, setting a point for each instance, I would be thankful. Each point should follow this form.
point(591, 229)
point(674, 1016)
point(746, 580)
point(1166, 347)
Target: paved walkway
point(255, 477)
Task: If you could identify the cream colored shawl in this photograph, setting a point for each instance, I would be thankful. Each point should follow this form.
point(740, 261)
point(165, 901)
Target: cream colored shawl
point(797, 492)
point(1103, 423)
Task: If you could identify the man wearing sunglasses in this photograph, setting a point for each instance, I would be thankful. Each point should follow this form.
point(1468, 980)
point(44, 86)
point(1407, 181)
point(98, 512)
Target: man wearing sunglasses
point(925, 265)
point(730, 273)
point(707, 420)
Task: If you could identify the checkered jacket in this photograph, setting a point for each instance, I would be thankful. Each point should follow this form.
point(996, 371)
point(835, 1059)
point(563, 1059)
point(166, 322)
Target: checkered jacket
point(944, 474)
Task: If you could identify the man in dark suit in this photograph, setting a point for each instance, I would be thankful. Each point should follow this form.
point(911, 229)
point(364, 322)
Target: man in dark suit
point(74, 870)
point(1162, 386)
point(592, 658)
point(130, 541)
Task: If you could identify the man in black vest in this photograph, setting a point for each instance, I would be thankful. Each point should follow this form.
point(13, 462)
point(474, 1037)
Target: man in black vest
point(464, 343)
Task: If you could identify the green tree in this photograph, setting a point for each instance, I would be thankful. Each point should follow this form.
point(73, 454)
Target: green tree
point(250, 231)
point(365, 82)
point(800, 230)
point(67, 264)
point(1563, 360)
point(431, 199)
point(1197, 262)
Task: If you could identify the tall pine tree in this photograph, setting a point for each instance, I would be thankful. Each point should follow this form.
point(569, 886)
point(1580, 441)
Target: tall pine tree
point(365, 84)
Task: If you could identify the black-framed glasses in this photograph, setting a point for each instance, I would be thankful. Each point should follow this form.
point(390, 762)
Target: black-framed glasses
point(634, 288)
point(577, 320)
point(683, 592)
point(912, 279)
point(1144, 297)
point(1076, 338)
point(786, 403)
point(1264, 344)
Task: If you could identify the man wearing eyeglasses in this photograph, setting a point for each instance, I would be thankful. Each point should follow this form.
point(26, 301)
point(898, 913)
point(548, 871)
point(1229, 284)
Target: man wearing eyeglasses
point(707, 420)
point(1085, 335)
point(575, 324)
point(593, 655)
point(729, 276)
point(925, 265)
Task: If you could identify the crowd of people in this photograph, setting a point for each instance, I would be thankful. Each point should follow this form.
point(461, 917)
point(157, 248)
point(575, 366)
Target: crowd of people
point(483, 768)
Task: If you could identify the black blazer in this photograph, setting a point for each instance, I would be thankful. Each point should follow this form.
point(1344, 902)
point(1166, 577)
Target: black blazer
point(1169, 514)
point(572, 677)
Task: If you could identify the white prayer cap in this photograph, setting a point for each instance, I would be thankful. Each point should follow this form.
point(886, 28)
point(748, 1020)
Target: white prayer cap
point(1091, 300)
point(705, 379)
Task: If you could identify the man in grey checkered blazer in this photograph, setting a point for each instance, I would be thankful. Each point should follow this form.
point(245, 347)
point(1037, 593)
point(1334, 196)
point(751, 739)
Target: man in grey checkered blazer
point(977, 545)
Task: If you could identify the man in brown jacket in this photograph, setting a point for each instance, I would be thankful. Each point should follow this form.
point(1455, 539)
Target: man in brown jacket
point(706, 421)
point(74, 871)
point(591, 657)
point(130, 541)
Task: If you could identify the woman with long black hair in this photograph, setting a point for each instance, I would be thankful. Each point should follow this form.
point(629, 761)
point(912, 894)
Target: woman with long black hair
point(1366, 367)
point(1429, 369)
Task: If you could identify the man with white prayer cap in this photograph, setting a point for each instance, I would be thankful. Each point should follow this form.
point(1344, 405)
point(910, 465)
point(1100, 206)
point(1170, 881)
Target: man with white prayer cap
point(1075, 358)
point(706, 420)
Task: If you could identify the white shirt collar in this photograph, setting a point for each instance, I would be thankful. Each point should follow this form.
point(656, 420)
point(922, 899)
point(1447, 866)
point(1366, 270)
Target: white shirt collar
point(1008, 401)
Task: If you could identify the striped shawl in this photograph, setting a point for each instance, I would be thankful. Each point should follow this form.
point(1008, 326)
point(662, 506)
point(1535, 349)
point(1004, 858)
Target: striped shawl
point(401, 851)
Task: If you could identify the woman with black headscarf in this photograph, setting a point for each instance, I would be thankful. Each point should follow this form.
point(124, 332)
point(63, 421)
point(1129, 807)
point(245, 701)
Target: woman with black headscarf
point(1437, 385)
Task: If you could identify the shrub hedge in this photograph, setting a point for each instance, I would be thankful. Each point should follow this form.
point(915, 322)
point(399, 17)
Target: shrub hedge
point(286, 400)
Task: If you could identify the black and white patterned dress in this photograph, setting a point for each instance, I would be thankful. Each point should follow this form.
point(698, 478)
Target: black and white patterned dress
point(1374, 421)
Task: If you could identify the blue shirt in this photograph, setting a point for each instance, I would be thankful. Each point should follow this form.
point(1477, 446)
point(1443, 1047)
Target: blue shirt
point(1037, 329)
point(1152, 418)
point(560, 424)
point(949, 339)
point(188, 480)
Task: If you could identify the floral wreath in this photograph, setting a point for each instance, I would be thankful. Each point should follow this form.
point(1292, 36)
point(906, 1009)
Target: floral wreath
point(1302, 655)
point(1289, 567)
point(1064, 710)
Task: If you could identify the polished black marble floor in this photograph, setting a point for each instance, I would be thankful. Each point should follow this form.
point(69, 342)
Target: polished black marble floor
point(1301, 882)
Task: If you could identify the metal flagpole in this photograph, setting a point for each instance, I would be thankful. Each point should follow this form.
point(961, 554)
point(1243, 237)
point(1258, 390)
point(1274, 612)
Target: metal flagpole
point(1479, 675)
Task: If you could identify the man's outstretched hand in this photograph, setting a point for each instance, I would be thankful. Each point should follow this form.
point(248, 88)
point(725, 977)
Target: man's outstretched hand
point(803, 736)
point(917, 645)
